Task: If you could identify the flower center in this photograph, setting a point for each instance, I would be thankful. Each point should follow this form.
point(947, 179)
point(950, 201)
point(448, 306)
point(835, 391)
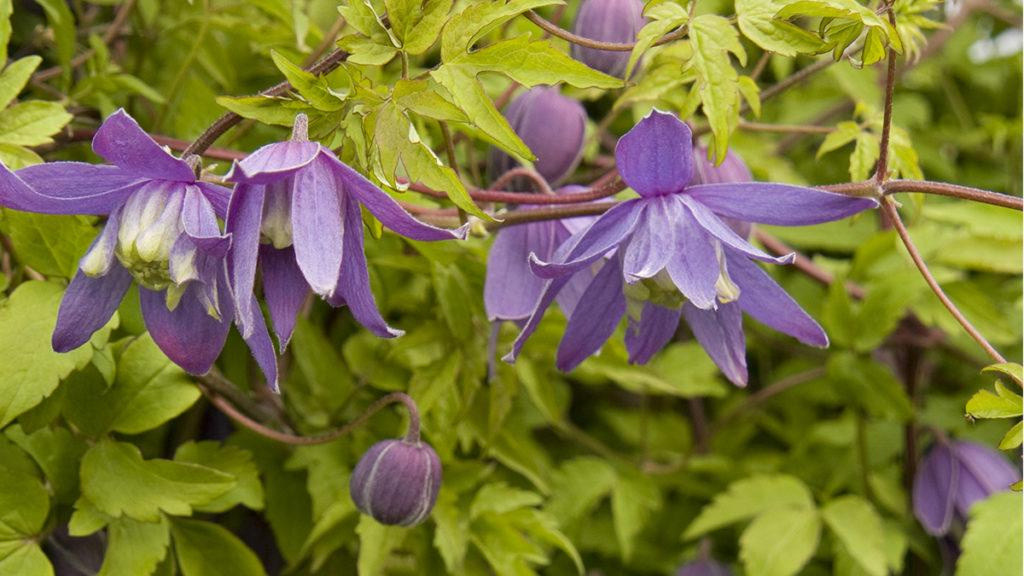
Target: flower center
point(149, 225)
point(276, 228)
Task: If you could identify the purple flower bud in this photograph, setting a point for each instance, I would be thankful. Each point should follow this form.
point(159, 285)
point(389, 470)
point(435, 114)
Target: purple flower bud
point(704, 568)
point(952, 477)
point(616, 21)
point(552, 126)
point(396, 482)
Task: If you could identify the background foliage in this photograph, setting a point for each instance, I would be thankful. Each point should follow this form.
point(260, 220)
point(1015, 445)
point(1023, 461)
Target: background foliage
point(111, 462)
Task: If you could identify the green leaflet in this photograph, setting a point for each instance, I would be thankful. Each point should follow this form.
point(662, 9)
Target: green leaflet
point(713, 39)
point(208, 549)
point(757, 21)
point(135, 547)
point(750, 497)
point(15, 76)
point(780, 543)
point(857, 525)
point(32, 123)
point(991, 545)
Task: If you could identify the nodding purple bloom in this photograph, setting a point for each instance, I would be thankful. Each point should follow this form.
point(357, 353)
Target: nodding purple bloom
point(295, 210)
point(704, 568)
point(396, 482)
point(552, 126)
point(161, 230)
point(674, 255)
point(617, 21)
point(952, 477)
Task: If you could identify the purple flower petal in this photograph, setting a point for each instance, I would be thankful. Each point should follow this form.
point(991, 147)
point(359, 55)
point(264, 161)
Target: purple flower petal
point(653, 332)
point(284, 289)
point(66, 188)
point(654, 239)
point(766, 301)
point(694, 267)
point(656, 156)
point(720, 332)
point(188, 335)
point(354, 281)
point(595, 318)
point(274, 162)
point(510, 289)
point(710, 222)
point(385, 209)
point(200, 223)
point(547, 296)
point(123, 143)
point(243, 224)
point(260, 345)
point(318, 226)
point(87, 305)
point(983, 471)
point(935, 487)
point(779, 204)
point(219, 196)
point(605, 234)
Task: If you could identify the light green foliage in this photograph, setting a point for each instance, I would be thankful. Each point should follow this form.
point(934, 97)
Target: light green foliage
point(135, 547)
point(758, 22)
point(43, 251)
point(780, 543)
point(858, 527)
point(206, 549)
point(992, 543)
point(749, 498)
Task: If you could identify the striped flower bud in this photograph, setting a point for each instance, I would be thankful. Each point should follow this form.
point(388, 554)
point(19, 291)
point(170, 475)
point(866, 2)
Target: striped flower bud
point(552, 126)
point(617, 21)
point(396, 482)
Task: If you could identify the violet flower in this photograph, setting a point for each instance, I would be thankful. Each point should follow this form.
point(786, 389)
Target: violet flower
point(161, 230)
point(952, 477)
point(674, 255)
point(295, 210)
point(616, 21)
point(552, 126)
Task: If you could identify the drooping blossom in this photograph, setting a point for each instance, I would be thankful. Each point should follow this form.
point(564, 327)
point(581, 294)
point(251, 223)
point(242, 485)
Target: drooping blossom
point(397, 481)
point(952, 477)
point(295, 211)
point(161, 230)
point(552, 126)
point(617, 21)
point(674, 255)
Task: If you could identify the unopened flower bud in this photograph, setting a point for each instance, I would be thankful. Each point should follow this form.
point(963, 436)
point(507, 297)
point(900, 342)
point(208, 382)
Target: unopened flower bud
point(552, 126)
point(396, 482)
point(952, 477)
point(617, 21)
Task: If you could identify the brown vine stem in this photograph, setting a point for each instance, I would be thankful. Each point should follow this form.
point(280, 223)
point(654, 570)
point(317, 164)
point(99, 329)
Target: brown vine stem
point(882, 168)
point(227, 121)
point(564, 34)
point(412, 435)
point(120, 18)
point(889, 206)
point(540, 185)
point(953, 191)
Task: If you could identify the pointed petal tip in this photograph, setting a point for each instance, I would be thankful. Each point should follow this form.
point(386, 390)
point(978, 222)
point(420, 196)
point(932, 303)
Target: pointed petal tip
point(509, 358)
point(63, 343)
point(462, 232)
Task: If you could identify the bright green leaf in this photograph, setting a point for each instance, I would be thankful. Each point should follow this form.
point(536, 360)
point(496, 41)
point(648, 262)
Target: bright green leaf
point(859, 527)
point(780, 542)
point(991, 546)
point(750, 497)
point(208, 549)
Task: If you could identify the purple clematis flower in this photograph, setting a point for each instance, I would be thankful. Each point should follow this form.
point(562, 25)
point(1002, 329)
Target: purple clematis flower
point(952, 477)
point(674, 255)
point(295, 210)
point(161, 230)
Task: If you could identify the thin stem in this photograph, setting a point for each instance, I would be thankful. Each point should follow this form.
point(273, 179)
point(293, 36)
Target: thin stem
point(953, 191)
point(882, 168)
point(894, 217)
point(412, 435)
point(699, 421)
point(596, 44)
point(120, 18)
point(552, 213)
point(227, 121)
point(540, 185)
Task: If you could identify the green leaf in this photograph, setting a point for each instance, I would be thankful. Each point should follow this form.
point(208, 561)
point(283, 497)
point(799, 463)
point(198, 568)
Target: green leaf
point(17, 74)
point(757, 21)
point(859, 527)
point(18, 157)
point(148, 391)
point(32, 123)
point(422, 97)
point(5, 29)
point(57, 453)
point(451, 532)
point(844, 133)
point(263, 109)
point(31, 369)
point(991, 546)
point(431, 16)
point(465, 28)
point(1013, 438)
point(24, 503)
point(313, 88)
point(1003, 404)
point(662, 18)
point(500, 498)
point(750, 497)
point(207, 549)
point(376, 542)
point(24, 559)
point(1011, 369)
point(865, 154)
point(713, 38)
point(119, 482)
point(135, 547)
point(578, 486)
point(634, 500)
point(780, 542)
point(870, 384)
point(38, 247)
point(231, 460)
